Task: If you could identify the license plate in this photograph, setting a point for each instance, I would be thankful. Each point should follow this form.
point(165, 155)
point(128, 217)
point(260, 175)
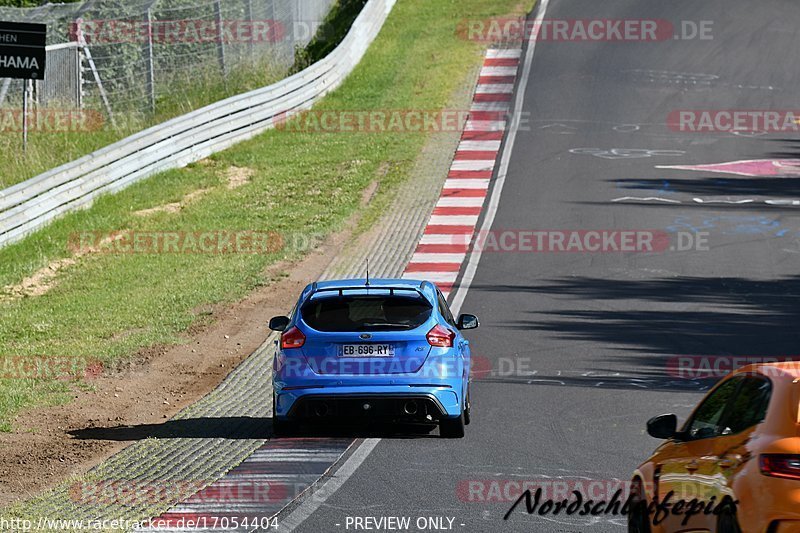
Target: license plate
point(367, 350)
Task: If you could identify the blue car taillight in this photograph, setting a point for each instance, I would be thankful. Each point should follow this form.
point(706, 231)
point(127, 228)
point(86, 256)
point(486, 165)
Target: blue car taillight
point(440, 336)
point(292, 338)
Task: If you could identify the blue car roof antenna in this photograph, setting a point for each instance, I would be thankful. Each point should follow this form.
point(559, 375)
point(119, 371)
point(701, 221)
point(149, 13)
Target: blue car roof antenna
point(367, 281)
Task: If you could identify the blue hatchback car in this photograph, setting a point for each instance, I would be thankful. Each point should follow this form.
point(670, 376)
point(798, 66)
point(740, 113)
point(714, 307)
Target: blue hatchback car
point(385, 349)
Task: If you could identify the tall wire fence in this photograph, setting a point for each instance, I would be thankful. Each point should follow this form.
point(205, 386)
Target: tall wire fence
point(122, 56)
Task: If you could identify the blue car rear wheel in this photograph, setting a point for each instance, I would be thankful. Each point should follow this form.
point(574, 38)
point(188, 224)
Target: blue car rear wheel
point(452, 428)
point(279, 427)
point(467, 409)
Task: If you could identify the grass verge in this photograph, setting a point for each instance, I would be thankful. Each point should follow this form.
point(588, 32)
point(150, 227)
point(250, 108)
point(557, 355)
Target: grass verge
point(51, 146)
point(104, 307)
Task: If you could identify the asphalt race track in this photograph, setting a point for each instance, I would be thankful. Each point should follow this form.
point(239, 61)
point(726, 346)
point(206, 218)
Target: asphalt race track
point(582, 345)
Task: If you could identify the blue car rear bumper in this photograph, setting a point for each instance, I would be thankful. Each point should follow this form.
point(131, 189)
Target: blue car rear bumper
point(437, 388)
point(390, 401)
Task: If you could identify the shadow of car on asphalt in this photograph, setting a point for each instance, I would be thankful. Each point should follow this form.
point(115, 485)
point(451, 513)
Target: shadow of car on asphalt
point(245, 427)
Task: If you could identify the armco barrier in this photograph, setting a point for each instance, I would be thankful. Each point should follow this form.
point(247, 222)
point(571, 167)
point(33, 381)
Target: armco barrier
point(28, 206)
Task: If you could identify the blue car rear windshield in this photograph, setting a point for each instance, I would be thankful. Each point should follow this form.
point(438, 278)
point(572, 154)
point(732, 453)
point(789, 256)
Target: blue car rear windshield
point(366, 312)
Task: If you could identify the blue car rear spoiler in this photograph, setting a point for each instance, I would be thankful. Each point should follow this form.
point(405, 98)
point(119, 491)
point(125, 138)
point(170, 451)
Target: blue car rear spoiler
point(391, 288)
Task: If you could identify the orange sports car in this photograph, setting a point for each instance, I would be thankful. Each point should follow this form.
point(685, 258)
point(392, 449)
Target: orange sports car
point(734, 466)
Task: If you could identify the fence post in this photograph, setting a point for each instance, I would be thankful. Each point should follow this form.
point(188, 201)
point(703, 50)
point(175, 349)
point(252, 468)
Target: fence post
point(250, 45)
point(297, 24)
point(26, 90)
point(220, 38)
point(277, 26)
point(85, 47)
point(4, 90)
point(148, 58)
point(79, 76)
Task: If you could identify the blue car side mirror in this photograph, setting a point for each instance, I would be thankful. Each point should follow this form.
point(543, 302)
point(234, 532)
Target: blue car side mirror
point(468, 322)
point(278, 323)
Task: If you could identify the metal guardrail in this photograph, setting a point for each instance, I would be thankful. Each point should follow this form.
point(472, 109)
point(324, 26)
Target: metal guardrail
point(28, 206)
point(137, 51)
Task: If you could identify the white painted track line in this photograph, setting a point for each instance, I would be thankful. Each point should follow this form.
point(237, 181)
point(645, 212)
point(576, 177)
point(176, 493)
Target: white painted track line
point(460, 202)
point(473, 164)
point(445, 239)
point(486, 125)
point(438, 258)
point(503, 54)
point(498, 107)
point(455, 183)
point(327, 489)
point(436, 277)
point(479, 146)
point(494, 200)
point(499, 71)
point(453, 220)
point(495, 88)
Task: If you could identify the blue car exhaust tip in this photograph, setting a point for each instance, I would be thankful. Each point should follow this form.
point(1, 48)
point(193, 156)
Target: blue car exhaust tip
point(411, 408)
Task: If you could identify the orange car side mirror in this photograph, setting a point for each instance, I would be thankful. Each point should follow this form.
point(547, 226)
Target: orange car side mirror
point(663, 427)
